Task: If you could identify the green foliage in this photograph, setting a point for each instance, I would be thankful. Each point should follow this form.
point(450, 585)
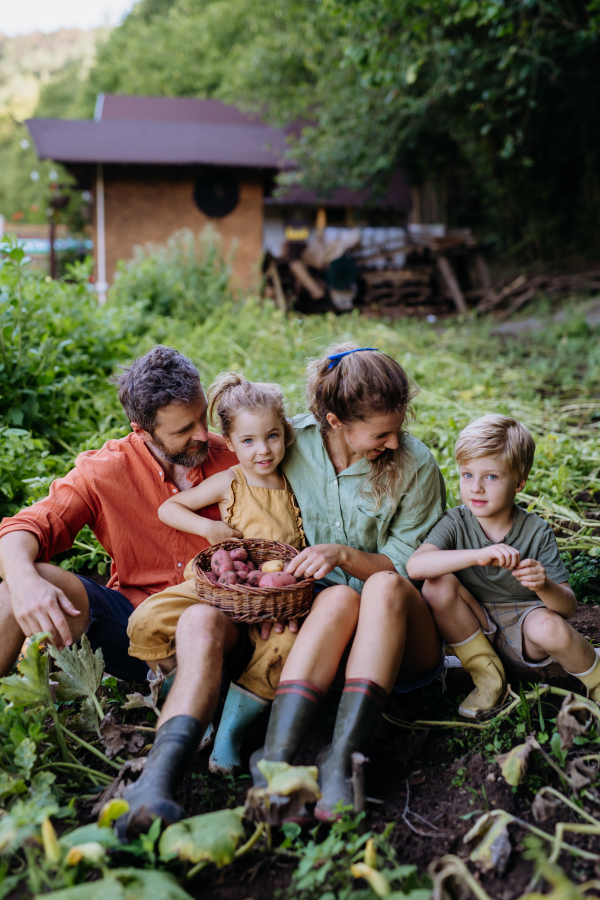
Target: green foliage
point(324, 867)
point(187, 278)
point(125, 884)
point(584, 577)
point(212, 837)
point(488, 93)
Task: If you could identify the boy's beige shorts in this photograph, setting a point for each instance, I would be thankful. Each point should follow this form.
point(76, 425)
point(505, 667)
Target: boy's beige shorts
point(505, 621)
point(152, 628)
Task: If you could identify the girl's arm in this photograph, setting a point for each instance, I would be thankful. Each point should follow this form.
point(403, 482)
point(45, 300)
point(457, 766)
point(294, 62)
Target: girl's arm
point(179, 511)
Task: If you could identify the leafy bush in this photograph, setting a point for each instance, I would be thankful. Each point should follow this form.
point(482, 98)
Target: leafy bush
point(187, 278)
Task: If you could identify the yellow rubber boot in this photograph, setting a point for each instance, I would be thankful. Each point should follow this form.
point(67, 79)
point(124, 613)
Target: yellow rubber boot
point(485, 668)
point(591, 679)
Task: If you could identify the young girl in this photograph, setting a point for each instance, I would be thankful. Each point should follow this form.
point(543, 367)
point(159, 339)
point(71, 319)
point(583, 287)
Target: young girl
point(255, 501)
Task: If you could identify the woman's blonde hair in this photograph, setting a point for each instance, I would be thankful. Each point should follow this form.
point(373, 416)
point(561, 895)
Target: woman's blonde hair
point(230, 394)
point(358, 387)
point(496, 435)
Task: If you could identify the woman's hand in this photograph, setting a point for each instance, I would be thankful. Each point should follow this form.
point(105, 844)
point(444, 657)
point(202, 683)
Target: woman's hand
point(317, 561)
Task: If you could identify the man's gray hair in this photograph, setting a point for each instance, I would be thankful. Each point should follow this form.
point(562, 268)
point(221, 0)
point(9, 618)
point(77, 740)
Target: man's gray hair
point(159, 377)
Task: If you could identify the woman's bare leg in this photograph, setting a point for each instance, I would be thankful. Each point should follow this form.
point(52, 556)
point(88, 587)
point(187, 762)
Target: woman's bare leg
point(391, 610)
point(323, 638)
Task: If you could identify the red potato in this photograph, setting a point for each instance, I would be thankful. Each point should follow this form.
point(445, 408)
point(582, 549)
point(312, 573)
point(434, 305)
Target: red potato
point(221, 562)
point(250, 565)
point(254, 578)
point(240, 567)
point(229, 578)
point(238, 553)
point(212, 577)
point(277, 580)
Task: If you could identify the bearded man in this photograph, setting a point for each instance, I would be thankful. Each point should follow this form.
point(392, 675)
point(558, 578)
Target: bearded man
point(117, 491)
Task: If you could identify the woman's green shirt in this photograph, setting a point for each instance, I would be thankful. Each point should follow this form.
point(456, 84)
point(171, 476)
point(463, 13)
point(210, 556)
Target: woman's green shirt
point(334, 510)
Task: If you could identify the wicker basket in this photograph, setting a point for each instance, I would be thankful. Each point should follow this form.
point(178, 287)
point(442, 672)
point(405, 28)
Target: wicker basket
point(247, 604)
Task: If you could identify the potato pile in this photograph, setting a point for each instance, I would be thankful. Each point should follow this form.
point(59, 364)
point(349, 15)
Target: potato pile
point(234, 567)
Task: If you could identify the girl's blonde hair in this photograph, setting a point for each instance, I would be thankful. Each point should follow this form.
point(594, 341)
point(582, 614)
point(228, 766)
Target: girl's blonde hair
point(356, 388)
point(230, 394)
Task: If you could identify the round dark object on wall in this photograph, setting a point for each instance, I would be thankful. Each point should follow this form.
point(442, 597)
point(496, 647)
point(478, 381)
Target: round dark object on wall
point(216, 192)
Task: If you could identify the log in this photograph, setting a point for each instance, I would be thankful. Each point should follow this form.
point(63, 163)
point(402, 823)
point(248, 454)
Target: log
point(452, 285)
point(484, 274)
point(273, 274)
point(316, 290)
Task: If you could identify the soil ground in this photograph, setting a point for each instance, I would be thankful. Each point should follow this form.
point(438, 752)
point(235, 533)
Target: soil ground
point(450, 778)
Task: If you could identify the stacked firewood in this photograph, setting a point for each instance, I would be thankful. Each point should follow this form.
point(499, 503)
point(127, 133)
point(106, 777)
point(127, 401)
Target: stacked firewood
point(510, 298)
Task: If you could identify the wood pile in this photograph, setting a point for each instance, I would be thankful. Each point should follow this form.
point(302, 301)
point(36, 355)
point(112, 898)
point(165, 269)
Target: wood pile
point(520, 291)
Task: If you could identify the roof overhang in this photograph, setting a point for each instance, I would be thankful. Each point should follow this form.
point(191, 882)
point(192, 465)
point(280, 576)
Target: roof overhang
point(114, 141)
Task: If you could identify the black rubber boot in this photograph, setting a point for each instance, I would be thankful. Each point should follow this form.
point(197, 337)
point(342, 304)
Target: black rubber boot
point(359, 712)
point(151, 797)
point(293, 712)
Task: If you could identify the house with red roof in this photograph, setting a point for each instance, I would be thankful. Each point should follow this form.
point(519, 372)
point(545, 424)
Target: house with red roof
point(154, 165)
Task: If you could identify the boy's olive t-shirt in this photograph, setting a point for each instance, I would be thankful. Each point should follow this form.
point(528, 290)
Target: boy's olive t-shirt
point(458, 529)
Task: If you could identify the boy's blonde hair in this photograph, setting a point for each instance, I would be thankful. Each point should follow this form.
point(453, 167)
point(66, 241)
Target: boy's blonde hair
point(230, 394)
point(502, 436)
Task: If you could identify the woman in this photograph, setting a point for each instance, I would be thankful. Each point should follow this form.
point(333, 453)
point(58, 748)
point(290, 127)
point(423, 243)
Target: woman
point(369, 493)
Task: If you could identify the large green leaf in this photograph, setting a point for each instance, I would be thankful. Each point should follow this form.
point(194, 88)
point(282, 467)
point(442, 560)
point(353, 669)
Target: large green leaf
point(124, 884)
point(82, 670)
point(30, 686)
point(88, 834)
point(212, 837)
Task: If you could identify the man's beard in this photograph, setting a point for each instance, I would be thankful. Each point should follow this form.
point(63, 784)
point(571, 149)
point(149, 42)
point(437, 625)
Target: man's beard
point(184, 458)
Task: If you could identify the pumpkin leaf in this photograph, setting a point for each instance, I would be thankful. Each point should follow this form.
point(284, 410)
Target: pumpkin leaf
point(25, 757)
point(573, 719)
point(117, 738)
point(288, 789)
point(494, 849)
point(30, 686)
point(88, 834)
point(212, 837)
point(513, 764)
point(81, 674)
point(124, 884)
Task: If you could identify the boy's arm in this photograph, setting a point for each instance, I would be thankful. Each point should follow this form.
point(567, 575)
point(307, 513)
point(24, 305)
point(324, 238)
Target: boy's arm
point(430, 562)
point(557, 597)
point(179, 511)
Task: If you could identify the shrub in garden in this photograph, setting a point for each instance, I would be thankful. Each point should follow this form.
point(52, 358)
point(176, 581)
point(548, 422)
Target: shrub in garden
point(57, 349)
point(188, 277)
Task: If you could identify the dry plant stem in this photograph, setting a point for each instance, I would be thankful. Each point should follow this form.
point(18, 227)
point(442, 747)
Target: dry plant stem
point(540, 691)
point(94, 776)
point(93, 750)
point(408, 812)
point(252, 841)
point(573, 806)
point(197, 868)
point(456, 867)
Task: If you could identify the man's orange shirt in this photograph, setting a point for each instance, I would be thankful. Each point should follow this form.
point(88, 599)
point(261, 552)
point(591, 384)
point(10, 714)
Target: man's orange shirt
point(117, 491)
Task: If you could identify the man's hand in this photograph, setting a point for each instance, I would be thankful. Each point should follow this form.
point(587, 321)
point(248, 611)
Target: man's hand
point(317, 561)
point(499, 555)
point(531, 574)
point(215, 532)
point(40, 606)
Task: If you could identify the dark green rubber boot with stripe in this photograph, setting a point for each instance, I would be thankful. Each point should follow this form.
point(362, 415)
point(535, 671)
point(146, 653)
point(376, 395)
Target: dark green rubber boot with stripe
point(359, 712)
point(293, 712)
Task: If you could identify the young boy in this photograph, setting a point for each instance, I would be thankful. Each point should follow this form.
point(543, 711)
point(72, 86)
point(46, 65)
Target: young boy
point(491, 568)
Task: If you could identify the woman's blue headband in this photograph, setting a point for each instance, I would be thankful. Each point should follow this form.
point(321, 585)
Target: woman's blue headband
point(337, 356)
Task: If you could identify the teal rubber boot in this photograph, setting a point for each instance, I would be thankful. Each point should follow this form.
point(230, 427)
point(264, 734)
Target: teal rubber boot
point(240, 709)
point(358, 714)
point(294, 709)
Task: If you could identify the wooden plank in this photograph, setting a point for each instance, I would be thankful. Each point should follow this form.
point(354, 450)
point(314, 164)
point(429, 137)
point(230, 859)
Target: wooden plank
point(452, 285)
point(485, 279)
point(316, 290)
point(273, 274)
